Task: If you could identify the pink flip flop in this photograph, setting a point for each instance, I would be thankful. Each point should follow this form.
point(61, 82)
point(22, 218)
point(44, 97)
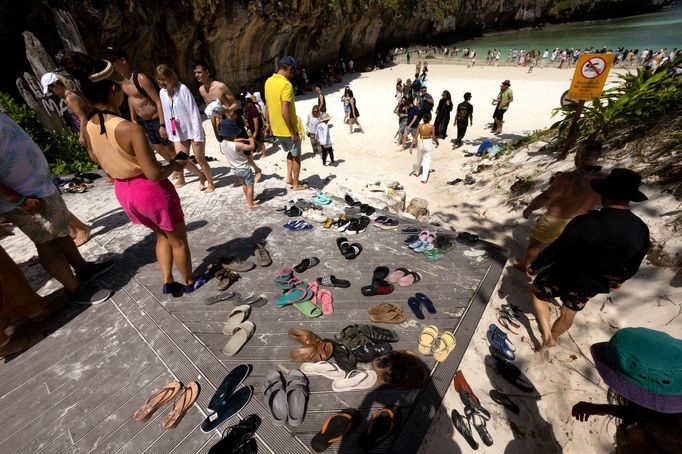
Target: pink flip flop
point(430, 237)
point(312, 285)
point(325, 300)
point(411, 278)
point(397, 275)
point(423, 235)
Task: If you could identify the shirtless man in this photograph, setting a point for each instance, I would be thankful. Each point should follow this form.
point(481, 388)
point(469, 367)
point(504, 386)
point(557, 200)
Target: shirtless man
point(146, 106)
point(220, 102)
point(568, 196)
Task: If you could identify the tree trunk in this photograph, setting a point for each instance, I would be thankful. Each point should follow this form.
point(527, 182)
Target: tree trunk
point(68, 31)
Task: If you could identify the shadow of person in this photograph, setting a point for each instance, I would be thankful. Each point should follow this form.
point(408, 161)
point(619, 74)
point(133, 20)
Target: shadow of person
point(315, 182)
point(241, 248)
point(532, 433)
point(108, 221)
point(268, 194)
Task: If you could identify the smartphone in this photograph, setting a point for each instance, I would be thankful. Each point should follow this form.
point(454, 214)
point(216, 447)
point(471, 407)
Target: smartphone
point(181, 156)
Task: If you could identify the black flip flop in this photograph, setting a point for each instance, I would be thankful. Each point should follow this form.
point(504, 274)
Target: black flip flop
point(504, 400)
point(237, 436)
point(229, 406)
point(467, 238)
point(478, 422)
point(333, 281)
point(382, 424)
point(380, 273)
point(411, 230)
point(411, 239)
point(333, 430)
point(306, 264)
point(222, 296)
point(350, 200)
point(462, 426)
point(513, 375)
point(353, 251)
point(343, 244)
point(343, 357)
point(253, 301)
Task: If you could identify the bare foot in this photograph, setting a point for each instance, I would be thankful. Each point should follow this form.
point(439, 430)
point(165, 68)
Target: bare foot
point(299, 188)
point(82, 236)
point(254, 205)
point(209, 188)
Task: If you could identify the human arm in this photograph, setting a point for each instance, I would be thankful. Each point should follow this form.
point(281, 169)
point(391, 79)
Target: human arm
point(583, 410)
point(149, 87)
point(31, 205)
point(290, 122)
point(134, 135)
point(246, 146)
point(555, 190)
point(561, 247)
point(227, 98)
point(76, 105)
point(471, 116)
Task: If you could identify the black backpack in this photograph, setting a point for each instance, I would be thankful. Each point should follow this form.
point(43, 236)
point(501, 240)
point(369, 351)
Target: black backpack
point(142, 91)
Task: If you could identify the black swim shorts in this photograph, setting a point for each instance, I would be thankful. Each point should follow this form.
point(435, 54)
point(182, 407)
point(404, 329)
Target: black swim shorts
point(151, 127)
point(498, 114)
point(548, 285)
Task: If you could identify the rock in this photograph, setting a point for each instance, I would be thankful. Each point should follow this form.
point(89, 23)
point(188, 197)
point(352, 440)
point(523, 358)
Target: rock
point(419, 209)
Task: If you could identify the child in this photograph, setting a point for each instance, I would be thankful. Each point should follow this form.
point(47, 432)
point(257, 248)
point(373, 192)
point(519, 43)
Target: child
point(325, 139)
point(237, 152)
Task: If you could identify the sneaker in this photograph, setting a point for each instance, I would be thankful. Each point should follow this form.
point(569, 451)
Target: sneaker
point(89, 295)
point(235, 264)
point(262, 256)
point(94, 270)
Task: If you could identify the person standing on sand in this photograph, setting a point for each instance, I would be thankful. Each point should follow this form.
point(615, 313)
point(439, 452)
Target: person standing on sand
point(463, 118)
point(411, 125)
point(443, 115)
point(311, 126)
point(408, 58)
point(321, 101)
point(279, 96)
point(145, 107)
point(426, 134)
point(325, 139)
point(569, 195)
point(596, 253)
point(236, 151)
point(182, 112)
point(346, 106)
point(472, 58)
point(354, 113)
point(501, 104)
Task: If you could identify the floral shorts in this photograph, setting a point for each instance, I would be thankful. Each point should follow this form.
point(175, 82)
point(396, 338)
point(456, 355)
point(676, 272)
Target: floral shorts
point(546, 286)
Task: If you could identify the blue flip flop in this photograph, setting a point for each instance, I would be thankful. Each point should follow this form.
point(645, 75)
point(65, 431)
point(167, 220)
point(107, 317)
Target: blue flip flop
point(498, 339)
point(416, 244)
point(426, 302)
point(322, 199)
point(295, 295)
point(415, 306)
point(302, 226)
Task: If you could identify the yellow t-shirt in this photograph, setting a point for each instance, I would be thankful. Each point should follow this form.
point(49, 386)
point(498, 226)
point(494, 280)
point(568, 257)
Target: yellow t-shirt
point(278, 89)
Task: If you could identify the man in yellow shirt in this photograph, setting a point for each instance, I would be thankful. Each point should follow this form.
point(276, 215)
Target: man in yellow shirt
point(281, 114)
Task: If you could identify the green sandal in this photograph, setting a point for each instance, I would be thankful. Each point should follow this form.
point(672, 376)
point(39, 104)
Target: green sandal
point(308, 309)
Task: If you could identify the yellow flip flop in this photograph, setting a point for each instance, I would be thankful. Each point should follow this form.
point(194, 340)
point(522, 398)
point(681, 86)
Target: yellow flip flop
point(443, 346)
point(426, 339)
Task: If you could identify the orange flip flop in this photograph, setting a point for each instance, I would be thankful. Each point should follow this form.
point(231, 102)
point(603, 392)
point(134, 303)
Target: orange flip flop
point(183, 403)
point(157, 400)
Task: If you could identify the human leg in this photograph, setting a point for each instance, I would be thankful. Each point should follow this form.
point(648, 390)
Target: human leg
point(426, 162)
point(541, 311)
point(56, 264)
point(296, 173)
point(564, 322)
point(417, 161)
point(330, 153)
point(164, 256)
point(532, 252)
point(199, 149)
point(78, 230)
point(248, 193)
point(168, 152)
point(177, 238)
point(323, 153)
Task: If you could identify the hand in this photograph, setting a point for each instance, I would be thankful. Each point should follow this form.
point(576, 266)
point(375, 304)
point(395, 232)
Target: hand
point(582, 411)
point(33, 206)
point(6, 229)
point(526, 213)
point(295, 137)
point(179, 164)
point(162, 132)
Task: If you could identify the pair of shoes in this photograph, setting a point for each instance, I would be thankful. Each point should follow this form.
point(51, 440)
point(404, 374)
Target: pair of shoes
point(226, 402)
point(322, 199)
point(386, 313)
point(173, 288)
point(321, 298)
point(306, 264)
point(234, 264)
point(298, 225)
point(354, 226)
point(378, 286)
point(355, 380)
point(261, 255)
point(183, 397)
point(348, 250)
point(425, 241)
point(498, 339)
point(404, 277)
point(334, 429)
point(226, 279)
point(239, 439)
point(440, 345)
point(239, 328)
point(352, 201)
point(415, 302)
point(466, 394)
point(367, 209)
point(313, 348)
point(286, 402)
point(382, 424)
point(510, 372)
point(386, 223)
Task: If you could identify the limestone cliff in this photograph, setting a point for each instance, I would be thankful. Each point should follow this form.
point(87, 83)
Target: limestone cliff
point(242, 39)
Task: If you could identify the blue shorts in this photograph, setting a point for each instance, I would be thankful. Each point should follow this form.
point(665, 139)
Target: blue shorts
point(289, 146)
point(151, 127)
point(246, 175)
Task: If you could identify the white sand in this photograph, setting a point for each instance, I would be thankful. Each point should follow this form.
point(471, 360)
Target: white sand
point(544, 425)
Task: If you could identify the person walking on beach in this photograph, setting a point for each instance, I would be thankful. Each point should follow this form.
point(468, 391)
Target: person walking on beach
point(345, 99)
point(472, 58)
point(141, 184)
point(311, 128)
point(426, 135)
point(236, 151)
point(463, 118)
point(596, 253)
point(321, 102)
point(569, 195)
point(408, 58)
point(501, 104)
point(145, 108)
point(325, 139)
point(182, 112)
point(354, 113)
point(443, 115)
point(411, 124)
point(279, 96)
point(398, 94)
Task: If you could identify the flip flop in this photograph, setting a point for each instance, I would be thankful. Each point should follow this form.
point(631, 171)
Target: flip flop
point(240, 435)
point(427, 337)
point(343, 244)
point(333, 430)
point(324, 369)
point(418, 244)
point(240, 336)
point(291, 283)
point(229, 406)
point(306, 264)
point(308, 309)
point(233, 379)
point(353, 252)
point(410, 239)
point(284, 275)
point(384, 308)
point(503, 399)
point(355, 380)
point(297, 393)
point(388, 317)
point(498, 339)
point(507, 323)
point(415, 306)
point(410, 230)
point(222, 296)
point(315, 288)
point(410, 278)
point(399, 273)
point(294, 295)
point(463, 427)
point(443, 346)
point(183, 402)
point(380, 273)
point(157, 400)
point(325, 301)
point(343, 357)
point(381, 425)
point(333, 281)
point(377, 288)
point(479, 424)
point(254, 301)
point(276, 398)
point(235, 318)
point(426, 302)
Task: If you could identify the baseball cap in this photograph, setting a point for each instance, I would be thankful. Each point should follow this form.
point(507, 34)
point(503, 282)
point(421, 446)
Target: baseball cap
point(47, 80)
point(288, 60)
point(113, 53)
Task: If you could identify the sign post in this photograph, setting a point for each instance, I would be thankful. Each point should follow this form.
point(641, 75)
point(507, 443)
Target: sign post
point(589, 78)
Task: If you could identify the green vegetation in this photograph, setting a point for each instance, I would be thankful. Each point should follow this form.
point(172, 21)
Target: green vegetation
point(522, 185)
point(61, 148)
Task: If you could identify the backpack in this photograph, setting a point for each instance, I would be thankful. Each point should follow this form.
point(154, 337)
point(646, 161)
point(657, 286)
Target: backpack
point(142, 91)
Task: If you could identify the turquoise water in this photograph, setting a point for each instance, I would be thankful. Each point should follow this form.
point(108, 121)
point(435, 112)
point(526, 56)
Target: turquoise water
point(655, 31)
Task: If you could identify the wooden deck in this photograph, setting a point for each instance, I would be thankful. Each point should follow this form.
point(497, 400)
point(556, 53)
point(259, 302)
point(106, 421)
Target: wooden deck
point(76, 390)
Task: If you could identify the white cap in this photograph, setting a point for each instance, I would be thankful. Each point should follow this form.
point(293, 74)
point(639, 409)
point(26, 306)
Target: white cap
point(47, 80)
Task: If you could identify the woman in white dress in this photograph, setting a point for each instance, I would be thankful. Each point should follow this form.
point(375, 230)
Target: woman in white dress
point(426, 134)
point(183, 120)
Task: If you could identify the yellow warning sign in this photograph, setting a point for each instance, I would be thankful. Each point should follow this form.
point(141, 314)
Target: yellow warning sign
point(590, 75)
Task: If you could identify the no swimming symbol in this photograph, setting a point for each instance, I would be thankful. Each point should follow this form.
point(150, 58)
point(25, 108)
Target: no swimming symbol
point(593, 68)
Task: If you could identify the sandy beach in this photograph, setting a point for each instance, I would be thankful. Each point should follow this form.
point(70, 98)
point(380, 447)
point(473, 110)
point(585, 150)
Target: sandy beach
point(651, 299)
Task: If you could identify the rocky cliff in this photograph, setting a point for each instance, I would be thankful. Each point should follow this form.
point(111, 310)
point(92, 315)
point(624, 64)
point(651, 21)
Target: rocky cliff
point(242, 39)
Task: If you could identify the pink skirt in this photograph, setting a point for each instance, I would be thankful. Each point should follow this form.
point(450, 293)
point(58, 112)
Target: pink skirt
point(150, 203)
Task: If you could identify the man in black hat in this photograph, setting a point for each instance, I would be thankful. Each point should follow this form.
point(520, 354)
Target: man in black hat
point(595, 253)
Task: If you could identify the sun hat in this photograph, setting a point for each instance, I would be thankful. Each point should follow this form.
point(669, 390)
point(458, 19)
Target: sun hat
point(228, 128)
point(507, 83)
point(324, 117)
point(621, 184)
point(288, 60)
point(47, 80)
point(644, 366)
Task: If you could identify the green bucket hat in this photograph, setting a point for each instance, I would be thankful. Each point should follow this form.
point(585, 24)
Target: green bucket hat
point(644, 366)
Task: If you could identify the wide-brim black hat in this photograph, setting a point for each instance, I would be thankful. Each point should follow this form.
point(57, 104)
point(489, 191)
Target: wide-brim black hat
point(621, 184)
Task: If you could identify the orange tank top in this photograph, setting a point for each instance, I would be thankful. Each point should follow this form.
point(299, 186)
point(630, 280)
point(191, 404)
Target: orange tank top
point(112, 158)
